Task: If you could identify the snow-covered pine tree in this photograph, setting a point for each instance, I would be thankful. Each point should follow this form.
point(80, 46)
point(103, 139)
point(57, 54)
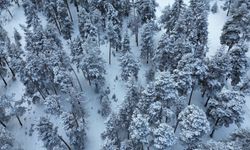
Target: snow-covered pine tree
point(146, 9)
point(193, 124)
point(75, 130)
point(164, 137)
point(6, 139)
point(226, 108)
point(93, 65)
point(238, 61)
point(214, 8)
point(126, 43)
point(218, 69)
point(129, 67)
point(49, 135)
point(64, 20)
point(170, 51)
point(53, 104)
point(140, 130)
point(32, 19)
point(147, 45)
point(198, 14)
point(230, 34)
point(105, 103)
point(171, 15)
point(241, 138)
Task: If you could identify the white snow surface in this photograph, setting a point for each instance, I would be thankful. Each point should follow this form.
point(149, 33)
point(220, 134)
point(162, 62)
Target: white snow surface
point(95, 123)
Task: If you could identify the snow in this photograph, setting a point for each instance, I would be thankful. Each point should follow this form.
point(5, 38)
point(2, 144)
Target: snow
point(95, 122)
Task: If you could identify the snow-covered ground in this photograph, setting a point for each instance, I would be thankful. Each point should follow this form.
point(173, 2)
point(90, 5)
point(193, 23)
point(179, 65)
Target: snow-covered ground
point(94, 120)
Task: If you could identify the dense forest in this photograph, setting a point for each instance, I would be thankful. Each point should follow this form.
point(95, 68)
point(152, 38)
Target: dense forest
point(115, 75)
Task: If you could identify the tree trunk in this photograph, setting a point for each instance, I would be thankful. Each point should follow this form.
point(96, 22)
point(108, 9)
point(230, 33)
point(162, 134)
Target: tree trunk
point(89, 79)
point(212, 133)
point(70, 15)
point(136, 37)
point(203, 94)
point(76, 5)
point(54, 89)
point(13, 73)
point(208, 98)
point(57, 25)
point(19, 120)
point(64, 142)
point(228, 10)
point(3, 80)
point(110, 52)
point(3, 124)
point(177, 123)
point(190, 97)
point(77, 78)
point(77, 125)
point(9, 12)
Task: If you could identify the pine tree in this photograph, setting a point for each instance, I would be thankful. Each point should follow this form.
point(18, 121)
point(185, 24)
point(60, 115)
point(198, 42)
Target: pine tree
point(49, 135)
point(198, 12)
point(164, 137)
point(147, 45)
point(241, 138)
point(105, 103)
point(32, 19)
point(6, 139)
point(52, 104)
point(126, 44)
point(226, 108)
point(129, 67)
point(193, 124)
point(171, 15)
point(238, 61)
point(230, 34)
point(214, 8)
point(64, 20)
point(93, 64)
point(140, 130)
point(146, 9)
point(75, 130)
point(217, 73)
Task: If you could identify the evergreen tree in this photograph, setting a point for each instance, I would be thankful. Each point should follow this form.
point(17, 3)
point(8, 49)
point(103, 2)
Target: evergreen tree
point(146, 9)
point(126, 43)
point(147, 45)
point(214, 8)
point(129, 66)
point(241, 138)
point(230, 34)
point(4, 4)
point(64, 20)
point(32, 19)
point(75, 130)
point(6, 139)
point(193, 124)
point(105, 103)
point(226, 108)
point(238, 61)
point(140, 130)
point(49, 135)
point(198, 12)
point(52, 104)
point(164, 137)
point(93, 64)
point(171, 15)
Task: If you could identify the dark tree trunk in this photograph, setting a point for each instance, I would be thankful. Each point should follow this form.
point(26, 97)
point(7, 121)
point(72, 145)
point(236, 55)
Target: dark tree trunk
point(13, 73)
point(190, 97)
point(64, 142)
point(19, 120)
point(229, 6)
point(208, 98)
point(57, 25)
point(76, 5)
point(203, 94)
point(3, 124)
point(54, 89)
point(9, 12)
point(77, 125)
point(3, 80)
point(176, 126)
point(70, 15)
point(212, 133)
point(77, 78)
point(110, 52)
point(137, 37)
